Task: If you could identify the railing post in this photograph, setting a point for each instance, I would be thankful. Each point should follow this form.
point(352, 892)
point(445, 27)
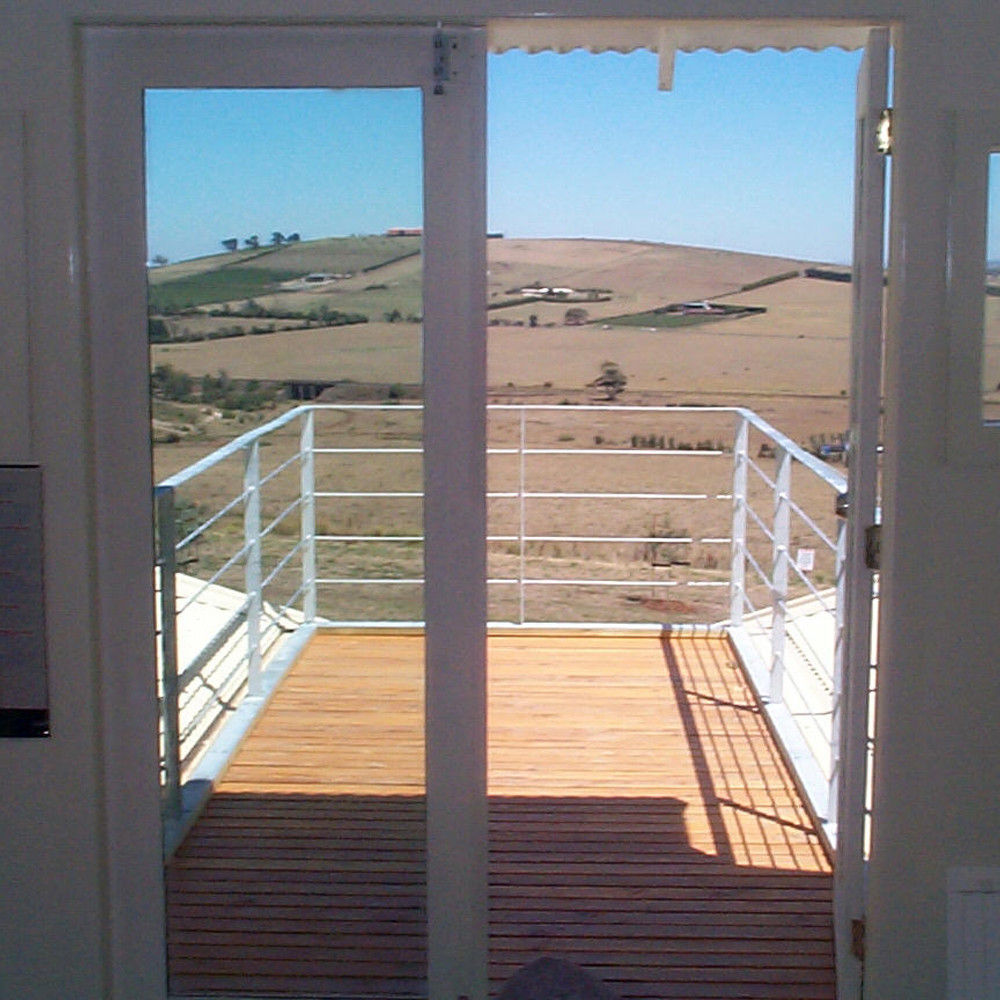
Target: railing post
point(522, 519)
point(252, 564)
point(738, 534)
point(780, 528)
point(166, 531)
point(839, 666)
point(307, 479)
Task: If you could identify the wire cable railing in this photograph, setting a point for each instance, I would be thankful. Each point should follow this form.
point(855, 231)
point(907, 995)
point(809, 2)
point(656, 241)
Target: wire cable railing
point(275, 529)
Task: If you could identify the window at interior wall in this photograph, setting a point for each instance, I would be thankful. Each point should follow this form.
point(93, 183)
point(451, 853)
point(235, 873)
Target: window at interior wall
point(991, 311)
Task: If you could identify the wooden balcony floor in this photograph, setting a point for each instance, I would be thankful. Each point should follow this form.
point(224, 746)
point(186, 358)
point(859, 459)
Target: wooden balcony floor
point(642, 825)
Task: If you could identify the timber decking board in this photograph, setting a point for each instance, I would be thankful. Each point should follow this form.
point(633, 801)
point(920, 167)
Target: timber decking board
point(642, 824)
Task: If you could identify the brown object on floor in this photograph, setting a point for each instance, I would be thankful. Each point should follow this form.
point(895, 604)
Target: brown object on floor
point(550, 978)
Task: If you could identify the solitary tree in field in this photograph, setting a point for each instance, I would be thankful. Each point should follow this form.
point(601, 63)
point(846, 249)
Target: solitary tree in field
point(159, 260)
point(612, 380)
point(277, 238)
point(231, 244)
point(575, 316)
point(252, 242)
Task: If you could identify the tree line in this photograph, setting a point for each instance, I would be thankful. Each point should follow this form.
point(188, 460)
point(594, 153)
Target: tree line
point(253, 242)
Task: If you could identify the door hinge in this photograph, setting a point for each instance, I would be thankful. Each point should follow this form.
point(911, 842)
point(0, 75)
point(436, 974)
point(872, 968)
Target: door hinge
point(858, 939)
point(883, 132)
point(444, 45)
point(873, 546)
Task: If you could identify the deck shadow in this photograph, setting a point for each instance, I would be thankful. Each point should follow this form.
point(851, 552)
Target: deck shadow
point(319, 895)
point(643, 825)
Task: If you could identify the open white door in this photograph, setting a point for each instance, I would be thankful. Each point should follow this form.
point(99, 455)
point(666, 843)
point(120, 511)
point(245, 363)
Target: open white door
point(854, 649)
point(120, 64)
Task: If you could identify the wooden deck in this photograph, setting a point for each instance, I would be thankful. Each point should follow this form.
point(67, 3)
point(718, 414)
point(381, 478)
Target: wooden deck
point(642, 825)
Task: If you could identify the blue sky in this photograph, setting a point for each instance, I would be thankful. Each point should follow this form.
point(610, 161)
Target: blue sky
point(748, 151)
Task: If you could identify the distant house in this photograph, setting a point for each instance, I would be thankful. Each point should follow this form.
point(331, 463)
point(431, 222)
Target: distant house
point(404, 231)
point(538, 292)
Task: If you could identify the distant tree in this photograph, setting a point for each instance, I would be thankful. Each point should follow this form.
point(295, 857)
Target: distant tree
point(159, 332)
point(252, 242)
point(231, 244)
point(292, 238)
point(169, 383)
point(277, 238)
point(251, 308)
point(576, 316)
point(532, 320)
point(612, 380)
point(393, 316)
point(159, 260)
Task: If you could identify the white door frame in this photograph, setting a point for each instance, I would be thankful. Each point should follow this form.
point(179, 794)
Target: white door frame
point(865, 437)
point(118, 64)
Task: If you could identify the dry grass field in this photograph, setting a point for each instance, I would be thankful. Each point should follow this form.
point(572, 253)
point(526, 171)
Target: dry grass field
point(789, 364)
point(791, 360)
point(699, 510)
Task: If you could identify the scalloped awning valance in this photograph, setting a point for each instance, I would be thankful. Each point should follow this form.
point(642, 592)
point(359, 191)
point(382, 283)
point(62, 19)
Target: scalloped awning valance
point(554, 34)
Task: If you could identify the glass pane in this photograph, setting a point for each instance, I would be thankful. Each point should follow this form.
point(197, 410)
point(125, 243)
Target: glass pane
point(618, 513)
point(637, 294)
point(285, 310)
point(991, 318)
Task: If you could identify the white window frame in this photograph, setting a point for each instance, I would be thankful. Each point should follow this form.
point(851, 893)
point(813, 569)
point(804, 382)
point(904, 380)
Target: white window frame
point(972, 441)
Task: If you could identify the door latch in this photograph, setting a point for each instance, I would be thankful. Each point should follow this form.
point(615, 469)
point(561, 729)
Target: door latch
point(873, 546)
point(883, 132)
point(444, 45)
point(858, 939)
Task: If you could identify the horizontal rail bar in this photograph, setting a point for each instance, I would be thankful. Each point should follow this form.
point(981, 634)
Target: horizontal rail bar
point(290, 603)
point(537, 582)
point(620, 539)
point(368, 451)
point(761, 575)
point(217, 516)
point(693, 452)
point(221, 571)
point(369, 538)
point(768, 534)
point(816, 593)
point(275, 521)
point(599, 495)
point(548, 582)
point(278, 469)
point(768, 481)
point(813, 526)
point(597, 408)
point(630, 539)
point(281, 564)
point(234, 447)
point(342, 494)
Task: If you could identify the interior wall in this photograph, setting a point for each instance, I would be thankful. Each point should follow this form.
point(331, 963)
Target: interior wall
point(939, 745)
point(52, 902)
point(938, 742)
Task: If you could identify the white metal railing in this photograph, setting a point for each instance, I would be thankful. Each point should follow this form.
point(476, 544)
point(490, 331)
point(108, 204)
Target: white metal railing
point(260, 517)
point(224, 615)
point(792, 647)
point(525, 497)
